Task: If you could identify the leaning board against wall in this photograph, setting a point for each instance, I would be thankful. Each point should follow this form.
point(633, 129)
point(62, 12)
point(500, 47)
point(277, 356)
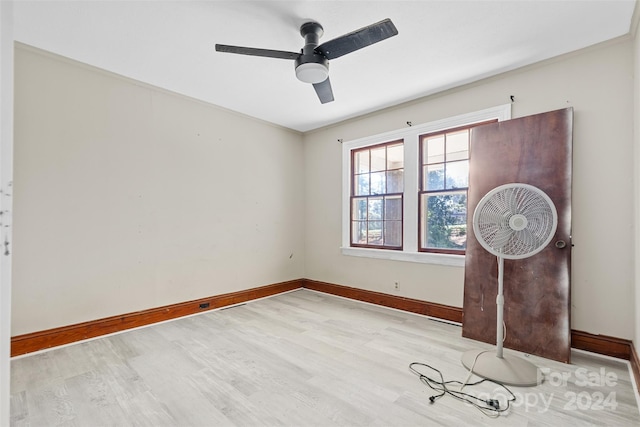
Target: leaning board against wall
point(534, 150)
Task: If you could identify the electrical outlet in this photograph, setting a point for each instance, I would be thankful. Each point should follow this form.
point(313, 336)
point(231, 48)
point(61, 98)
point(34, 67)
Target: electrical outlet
point(204, 305)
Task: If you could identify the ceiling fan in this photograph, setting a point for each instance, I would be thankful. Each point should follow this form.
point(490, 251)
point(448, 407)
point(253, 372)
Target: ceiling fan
point(312, 62)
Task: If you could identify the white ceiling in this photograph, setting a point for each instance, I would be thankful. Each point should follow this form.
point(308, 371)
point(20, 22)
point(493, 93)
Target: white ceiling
point(440, 45)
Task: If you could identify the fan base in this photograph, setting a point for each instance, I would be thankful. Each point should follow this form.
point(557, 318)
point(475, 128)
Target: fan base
point(508, 370)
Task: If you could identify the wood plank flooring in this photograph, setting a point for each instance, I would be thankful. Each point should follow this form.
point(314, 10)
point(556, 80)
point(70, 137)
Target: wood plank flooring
point(297, 359)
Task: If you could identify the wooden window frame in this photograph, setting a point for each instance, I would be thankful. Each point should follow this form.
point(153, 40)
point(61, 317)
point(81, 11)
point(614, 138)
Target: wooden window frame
point(384, 195)
point(410, 136)
point(422, 192)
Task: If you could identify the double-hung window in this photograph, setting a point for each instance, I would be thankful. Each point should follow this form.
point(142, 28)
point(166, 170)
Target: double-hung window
point(444, 181)
point(376, 196)
point(405, 192)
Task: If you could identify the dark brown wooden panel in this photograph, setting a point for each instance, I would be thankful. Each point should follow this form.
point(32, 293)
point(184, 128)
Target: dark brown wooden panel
point(535, 150)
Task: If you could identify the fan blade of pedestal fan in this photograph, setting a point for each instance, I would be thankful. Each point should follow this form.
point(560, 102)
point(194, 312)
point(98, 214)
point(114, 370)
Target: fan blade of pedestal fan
point(500, 238)
point(523, 241)
point(511, 200)
point(540, 218)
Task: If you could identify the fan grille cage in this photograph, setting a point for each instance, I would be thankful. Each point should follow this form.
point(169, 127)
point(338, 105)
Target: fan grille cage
point(515, 221)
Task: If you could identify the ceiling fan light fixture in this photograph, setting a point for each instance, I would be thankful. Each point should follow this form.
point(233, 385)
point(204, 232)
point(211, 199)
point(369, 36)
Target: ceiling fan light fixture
point(312, 72)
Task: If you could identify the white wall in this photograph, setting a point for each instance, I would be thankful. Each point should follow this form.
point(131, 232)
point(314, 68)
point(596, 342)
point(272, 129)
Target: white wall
point(598, 84)
point(636, 140)
point(128, 197)
point(6, 171)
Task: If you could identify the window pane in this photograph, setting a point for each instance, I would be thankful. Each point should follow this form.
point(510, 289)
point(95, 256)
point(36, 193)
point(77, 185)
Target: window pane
point(359, 232)
point(361, 161)
point(359, 209)
point(458, 145)
point(433, 176)
point(375, 208)
point(393, 208)
point(362, 185)
point(434, 150)
point(377, 171)
point(458, 174)
point(393, 233)
point(445, 221)
point(378, 181)
point(375, 233)
point(378, 159)
point(395, 156)
point(395, 181)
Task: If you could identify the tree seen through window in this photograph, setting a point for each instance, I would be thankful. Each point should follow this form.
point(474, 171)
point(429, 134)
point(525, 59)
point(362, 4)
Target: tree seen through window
point(443, 191)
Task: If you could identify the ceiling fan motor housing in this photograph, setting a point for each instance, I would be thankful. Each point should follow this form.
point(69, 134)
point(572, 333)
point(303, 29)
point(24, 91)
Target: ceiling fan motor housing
point(311, 67)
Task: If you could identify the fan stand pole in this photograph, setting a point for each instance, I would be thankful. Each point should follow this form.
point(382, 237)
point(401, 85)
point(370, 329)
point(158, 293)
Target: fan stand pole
point(500, 308)
point(501, 368)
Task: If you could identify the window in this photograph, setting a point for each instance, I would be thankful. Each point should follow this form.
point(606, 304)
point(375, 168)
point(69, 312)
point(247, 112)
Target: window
point(392, 181)
point(376, 196)
point(444, 181)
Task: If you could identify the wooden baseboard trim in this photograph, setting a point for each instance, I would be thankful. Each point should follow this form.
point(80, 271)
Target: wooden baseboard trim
point(608, 346)
point(440, 311)
point(27, 343)
point(41, 340)
point(601, 344)
point(635, 365)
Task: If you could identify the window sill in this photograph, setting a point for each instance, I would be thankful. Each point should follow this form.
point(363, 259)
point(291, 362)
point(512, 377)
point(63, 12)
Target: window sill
point(419, 257)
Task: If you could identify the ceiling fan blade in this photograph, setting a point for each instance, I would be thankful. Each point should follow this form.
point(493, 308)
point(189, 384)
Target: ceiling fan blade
point(323, 89)
point(256, 52)
point(358, 39)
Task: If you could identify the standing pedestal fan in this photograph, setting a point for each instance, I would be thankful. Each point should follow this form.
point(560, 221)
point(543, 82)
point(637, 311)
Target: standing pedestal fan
point(512, 221)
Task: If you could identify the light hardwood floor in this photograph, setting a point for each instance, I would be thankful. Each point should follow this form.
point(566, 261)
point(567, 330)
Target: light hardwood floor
point(297, 359)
